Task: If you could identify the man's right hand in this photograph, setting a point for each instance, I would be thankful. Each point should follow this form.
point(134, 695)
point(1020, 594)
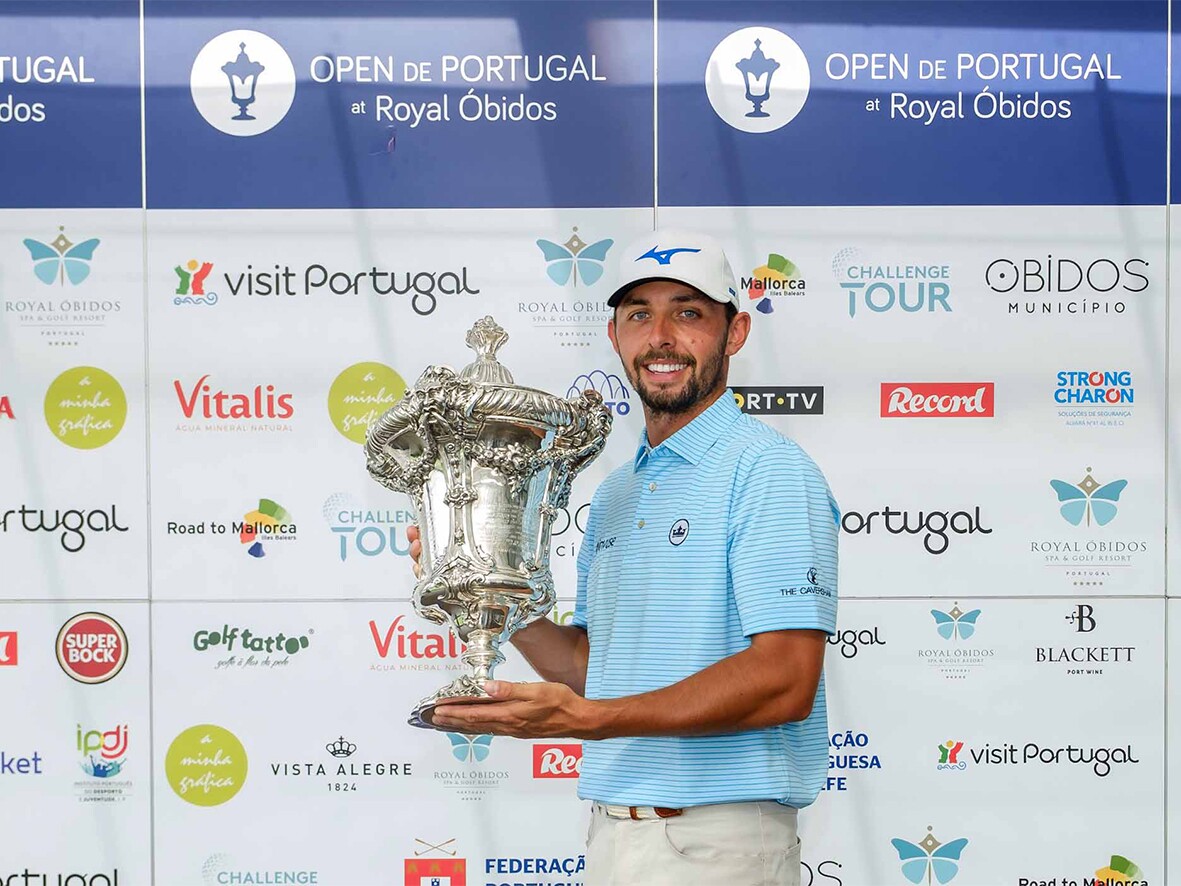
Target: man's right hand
point(415, 539)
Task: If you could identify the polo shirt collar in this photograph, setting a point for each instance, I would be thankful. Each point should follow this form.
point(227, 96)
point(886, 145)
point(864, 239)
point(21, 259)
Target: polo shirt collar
point(694, 440)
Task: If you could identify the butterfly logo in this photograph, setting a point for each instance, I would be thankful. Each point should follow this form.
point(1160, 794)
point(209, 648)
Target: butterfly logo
point(469, 748)
point(1088, 498)
point(575, 258)
point(955, 623)
point(929, 857)
point(62, 259)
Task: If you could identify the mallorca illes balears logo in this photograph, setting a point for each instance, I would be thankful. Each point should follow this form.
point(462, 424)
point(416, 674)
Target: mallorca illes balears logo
point(1120, 871)
point(773, 281)
point(576, 318)
point(59, 311)
point(340, 769)
point(362, 532)
point(190, 283)
point(260, 529)
point(242, 83)
point(757, 79)
point(929, 857)
point(880, 288)
point(1090, 555)
point(1053, 285)
point(85, 407)
point(1094, 398)
point(359, 396)
point(955, 657)
point(103, 758)
point(206, 765)
point(615, 393)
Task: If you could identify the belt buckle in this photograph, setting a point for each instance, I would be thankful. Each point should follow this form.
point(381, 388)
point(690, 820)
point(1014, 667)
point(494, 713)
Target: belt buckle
point(660, 811)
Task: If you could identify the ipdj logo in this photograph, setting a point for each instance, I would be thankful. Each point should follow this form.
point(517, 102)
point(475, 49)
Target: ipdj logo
point(242, 83)
point(777, 278)
point(91, 647)
point(929, 857)
point(614, 392)
point(190, 286)
point(557, 760)
point(61, 260)
point(103, 753)
point(8, 649)
point(575, 260)
point(1088, 499)
point(757, 79)
point(880, 288)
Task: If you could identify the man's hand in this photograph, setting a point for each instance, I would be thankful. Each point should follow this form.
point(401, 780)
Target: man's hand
point(522, 710)
point(414, 537)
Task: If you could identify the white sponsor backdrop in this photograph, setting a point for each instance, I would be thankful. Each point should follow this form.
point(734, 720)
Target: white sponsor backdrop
point(999, 675)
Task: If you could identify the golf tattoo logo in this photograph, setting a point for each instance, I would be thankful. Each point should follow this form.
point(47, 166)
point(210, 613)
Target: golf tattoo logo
point(190, 285)
point(757, 79)
point(242, 83)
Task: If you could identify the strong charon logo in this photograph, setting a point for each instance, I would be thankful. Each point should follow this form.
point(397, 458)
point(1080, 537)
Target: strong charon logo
point(929, 857)
point(61, 260)
point(190, 286)
point(955, 623)
point(242, 83)
point(1088, 499)
point(85, 407)
point(757, 79)
point(575, 260)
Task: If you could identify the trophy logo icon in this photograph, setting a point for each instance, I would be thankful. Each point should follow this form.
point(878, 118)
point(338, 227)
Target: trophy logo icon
point(740, 73)
point(243, 76)
point(487, 464)
point(258, 75)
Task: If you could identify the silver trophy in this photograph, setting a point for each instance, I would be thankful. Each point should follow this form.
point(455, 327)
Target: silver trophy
point(487, 464)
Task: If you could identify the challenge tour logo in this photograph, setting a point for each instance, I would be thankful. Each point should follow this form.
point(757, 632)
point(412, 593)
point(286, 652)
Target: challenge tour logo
point(242, 83)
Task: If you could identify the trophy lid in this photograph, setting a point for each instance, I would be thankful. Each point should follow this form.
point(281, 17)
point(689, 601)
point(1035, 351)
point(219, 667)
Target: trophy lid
point(485, 338)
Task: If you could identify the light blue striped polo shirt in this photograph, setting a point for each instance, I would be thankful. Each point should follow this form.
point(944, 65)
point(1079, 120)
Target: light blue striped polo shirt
point(725, 530)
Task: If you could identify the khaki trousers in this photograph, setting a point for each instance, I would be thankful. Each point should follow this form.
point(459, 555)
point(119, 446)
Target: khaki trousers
point(726, 844)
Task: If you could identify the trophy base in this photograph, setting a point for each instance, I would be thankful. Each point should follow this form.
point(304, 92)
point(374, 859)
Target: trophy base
point(464, 690)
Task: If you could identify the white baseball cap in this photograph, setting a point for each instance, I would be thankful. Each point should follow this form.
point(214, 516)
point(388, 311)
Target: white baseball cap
point(676, 254)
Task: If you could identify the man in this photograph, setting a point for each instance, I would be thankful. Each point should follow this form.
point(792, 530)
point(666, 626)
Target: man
point(706, 589)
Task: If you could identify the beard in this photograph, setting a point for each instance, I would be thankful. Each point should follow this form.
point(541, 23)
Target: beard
point(702, 381)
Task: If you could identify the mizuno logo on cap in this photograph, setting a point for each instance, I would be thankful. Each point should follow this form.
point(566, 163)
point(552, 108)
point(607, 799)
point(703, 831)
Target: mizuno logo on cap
point(664, 256)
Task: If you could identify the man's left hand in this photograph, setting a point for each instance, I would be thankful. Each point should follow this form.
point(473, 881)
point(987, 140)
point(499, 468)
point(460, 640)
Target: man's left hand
point(522, 710)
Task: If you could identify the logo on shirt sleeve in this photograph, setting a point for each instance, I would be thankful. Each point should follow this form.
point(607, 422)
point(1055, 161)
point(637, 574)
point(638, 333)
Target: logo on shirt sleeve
point(814, 587)
point(679, 532)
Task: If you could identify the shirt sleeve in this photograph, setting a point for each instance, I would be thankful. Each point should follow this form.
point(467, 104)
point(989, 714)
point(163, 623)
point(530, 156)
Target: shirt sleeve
point(783, 541)
point(585, 555)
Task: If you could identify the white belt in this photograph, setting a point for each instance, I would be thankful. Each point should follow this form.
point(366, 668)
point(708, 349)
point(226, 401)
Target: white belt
point(639, 813)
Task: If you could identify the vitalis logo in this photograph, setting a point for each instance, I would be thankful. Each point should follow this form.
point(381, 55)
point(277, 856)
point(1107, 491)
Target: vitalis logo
point(1050, 285)
point(933, 525)
point(366, 532)
point(1084, 660)
point(344, 772)
point(423, 287)
point(937, 400)
point(778, 278)
point(425, 651)
point(780, 400)
point(190, 287)
point(880, 288)
point(612, 388)
point(954, 659)
point(232, 410)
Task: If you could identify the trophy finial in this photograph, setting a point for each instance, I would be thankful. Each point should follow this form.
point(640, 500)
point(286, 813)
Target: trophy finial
point(486, 338)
